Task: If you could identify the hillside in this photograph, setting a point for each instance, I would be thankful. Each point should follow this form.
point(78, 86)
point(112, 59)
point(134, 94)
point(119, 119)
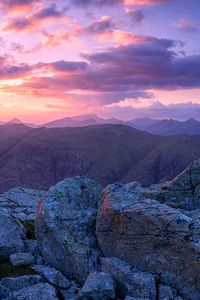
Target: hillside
point(38, 158)
point(10, 135)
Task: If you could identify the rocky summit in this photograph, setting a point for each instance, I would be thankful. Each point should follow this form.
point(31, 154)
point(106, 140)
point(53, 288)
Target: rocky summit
point(79, 241)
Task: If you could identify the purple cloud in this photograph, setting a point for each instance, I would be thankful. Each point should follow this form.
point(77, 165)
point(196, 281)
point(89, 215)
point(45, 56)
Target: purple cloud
point(33, 21)
point(96, 2)
point(136, 15)
point(9, 70)
point(103, 25)
point(116, 73)
point(65, 66)
point(85, 3)
point(49, 12)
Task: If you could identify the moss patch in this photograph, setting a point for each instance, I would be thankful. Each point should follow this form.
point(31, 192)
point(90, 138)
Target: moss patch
point(7, 270)
point(30, 229)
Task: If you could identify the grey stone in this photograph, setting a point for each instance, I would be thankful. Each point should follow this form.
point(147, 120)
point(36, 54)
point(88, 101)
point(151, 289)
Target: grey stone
point(99, 286)
point(133, 298)
point(21, 202)
point(65, 226)
point(40, 291)
point(4, 292)
point(53, 276)
point(22, 258)
point(21, 281)
point(73, 293)
point(39, 260)
point(130, 280)
point(31, 246)
point(165, 292)
point(151, 236)
point(12, 233)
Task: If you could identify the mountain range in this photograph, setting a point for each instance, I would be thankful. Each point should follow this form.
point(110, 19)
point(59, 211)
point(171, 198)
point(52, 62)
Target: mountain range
point(40, 157)
point(164, 127)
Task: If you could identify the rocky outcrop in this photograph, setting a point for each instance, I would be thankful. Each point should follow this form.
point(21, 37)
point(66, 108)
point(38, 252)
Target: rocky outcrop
point(151, 236)
point(182, 192)
point(65, 226)
point(128, 242)
point(12, 233)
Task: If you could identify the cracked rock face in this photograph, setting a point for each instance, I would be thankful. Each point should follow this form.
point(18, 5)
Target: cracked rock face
point(151, 236)
point(65, 226)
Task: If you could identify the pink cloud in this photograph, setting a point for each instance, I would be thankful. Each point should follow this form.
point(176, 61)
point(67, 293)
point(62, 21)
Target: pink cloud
point(186, 25)
point(17, 6)
point(34, 20)
point(144, 2)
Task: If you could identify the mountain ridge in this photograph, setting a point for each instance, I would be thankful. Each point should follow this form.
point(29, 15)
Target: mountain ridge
point(37, 158)
point(165, 127)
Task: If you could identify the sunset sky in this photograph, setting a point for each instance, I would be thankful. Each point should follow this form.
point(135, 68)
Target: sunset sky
point(114, 58)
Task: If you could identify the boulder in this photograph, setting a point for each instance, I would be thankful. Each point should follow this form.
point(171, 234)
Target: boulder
point(99, 286)
point(65, 226)
point(165, 292)
point(53, 276)
point(20, 282)
point(130, 281)
point(42, 291)
point(22, 259)
point(151, 236)
point(12, 233)
point(21, 202)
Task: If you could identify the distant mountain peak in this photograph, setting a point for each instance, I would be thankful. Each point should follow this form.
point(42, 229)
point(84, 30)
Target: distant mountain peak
point(15, 121)
point(85, 117)
point(191, 120)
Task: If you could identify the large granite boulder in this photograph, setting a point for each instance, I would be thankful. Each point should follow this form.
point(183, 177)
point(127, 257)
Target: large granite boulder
point(151, 236)
point(65, 226)
point(182, 192)
point(12, 235)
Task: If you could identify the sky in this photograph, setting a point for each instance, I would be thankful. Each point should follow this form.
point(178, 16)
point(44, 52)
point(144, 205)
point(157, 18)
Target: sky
point(115, 58)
